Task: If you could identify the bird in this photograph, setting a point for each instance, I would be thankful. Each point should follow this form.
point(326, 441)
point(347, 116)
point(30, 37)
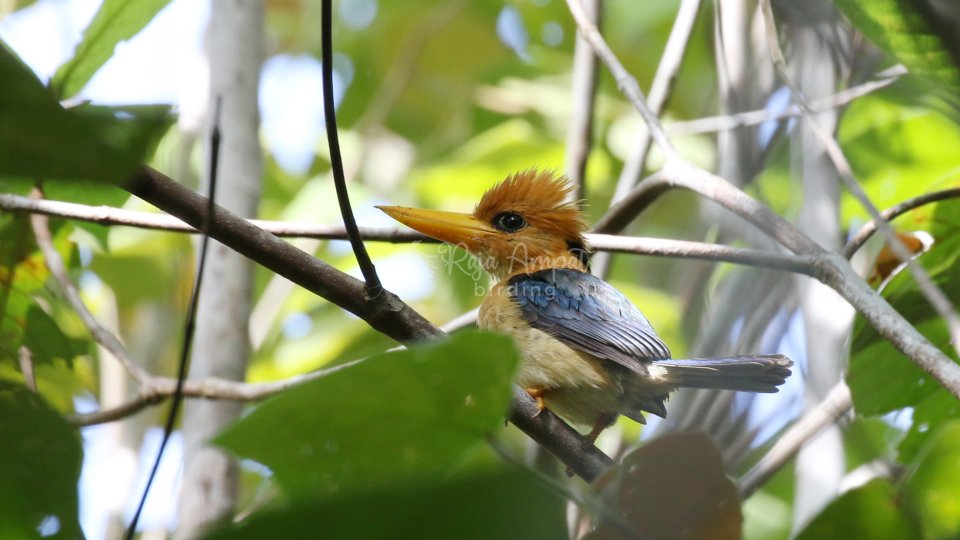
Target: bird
point(587, 353)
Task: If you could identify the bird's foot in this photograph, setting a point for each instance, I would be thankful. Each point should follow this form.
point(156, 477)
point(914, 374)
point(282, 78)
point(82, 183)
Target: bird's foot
point(537, 393)
point(603, 421)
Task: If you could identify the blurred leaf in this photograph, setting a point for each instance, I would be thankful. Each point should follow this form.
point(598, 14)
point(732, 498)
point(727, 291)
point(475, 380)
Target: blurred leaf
point(932, 490)
point(502, 506)
point(40, 461)
point(394, 419)
point(115, 21)
point(672, 487)
point(898, 151)
point(929, 416)
point(39, 139)
point(881, 379)
point(912, 33)
point(47, 341)
point(870, 511)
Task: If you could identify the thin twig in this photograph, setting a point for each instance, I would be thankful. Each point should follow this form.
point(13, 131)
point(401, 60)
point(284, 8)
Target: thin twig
point(625, 82)
point(751, 118)
point(865, 232)
point(26, 367)
point(660, 89)
point(658, 247)
point(584, 94)
point(599, 242)
point(369, 271)
point(189, 326)
point(934, 295)
point(99, 334)
point(835, 405)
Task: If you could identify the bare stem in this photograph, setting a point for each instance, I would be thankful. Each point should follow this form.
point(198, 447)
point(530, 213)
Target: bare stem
point(835, 404)
point(584, 90)
point(100, 334)
point(940, 302)
point(892, 213)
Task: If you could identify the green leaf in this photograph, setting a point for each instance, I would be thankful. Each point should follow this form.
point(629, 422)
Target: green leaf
point(116, 21)
point(881, 379)
point(672, 487)
point(915, 37)
point(932, 489)
point(392, 419)
point(40, 140)
point(507, 505)
point(40, 461)
point(929, 417)
point(870, 511)
point(46, 341)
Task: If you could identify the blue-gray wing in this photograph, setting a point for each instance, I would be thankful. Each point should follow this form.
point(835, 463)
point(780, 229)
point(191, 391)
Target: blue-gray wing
point(588, 314)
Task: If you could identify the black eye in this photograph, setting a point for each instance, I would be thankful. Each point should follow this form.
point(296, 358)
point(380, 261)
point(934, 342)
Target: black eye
point(509, 222)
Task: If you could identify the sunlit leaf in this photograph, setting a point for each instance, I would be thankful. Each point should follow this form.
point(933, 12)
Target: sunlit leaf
point(392, 419)
point(929, 416)
point(672, 487)
point(898, 151)
point(932, 488)
point(115, 21)
point(870, 511)
point(881, 378)
point(40, 462)
point(916, 37)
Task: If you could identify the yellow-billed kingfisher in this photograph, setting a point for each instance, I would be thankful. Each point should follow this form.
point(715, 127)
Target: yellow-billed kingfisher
point(588, 354)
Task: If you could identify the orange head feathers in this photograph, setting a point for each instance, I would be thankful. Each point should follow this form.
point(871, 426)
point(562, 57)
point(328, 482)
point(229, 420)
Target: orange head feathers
point(523, 224)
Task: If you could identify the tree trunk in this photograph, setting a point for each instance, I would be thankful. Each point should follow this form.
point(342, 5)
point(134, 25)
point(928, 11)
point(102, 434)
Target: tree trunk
point(222, 345)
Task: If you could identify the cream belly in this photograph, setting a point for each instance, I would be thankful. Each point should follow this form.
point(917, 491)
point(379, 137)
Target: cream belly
point(578, 386)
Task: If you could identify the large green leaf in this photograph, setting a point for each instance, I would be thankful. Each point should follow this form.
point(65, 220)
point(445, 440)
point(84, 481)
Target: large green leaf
point(390, 420)
point(505, 505)
point(40, 462)
point(40, 140)
point(881, 379)
point(116, 21)
point(912, 33)
point(932, 488)
point(870, 511)
point(929, 417)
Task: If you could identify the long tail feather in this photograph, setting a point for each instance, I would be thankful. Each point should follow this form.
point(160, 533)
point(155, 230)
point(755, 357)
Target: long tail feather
point(760, 373)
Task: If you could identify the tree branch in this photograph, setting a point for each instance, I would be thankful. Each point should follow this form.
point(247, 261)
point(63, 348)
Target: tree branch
point(392, 317)
point(865, 232)
point(625, 82)
point(835, 405)
point(584, 94)
point(940, 302)
point(833, 269)
point(656, 247)
point(751, 118)
point(100, 334)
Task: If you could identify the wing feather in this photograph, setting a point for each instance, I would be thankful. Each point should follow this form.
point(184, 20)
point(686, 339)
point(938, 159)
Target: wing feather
point(588, 314)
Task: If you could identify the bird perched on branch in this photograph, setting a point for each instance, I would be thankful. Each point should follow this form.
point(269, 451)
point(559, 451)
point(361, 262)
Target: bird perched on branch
point(588, 354)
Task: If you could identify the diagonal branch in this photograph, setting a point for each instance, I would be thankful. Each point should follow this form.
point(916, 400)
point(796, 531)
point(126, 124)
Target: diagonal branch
point(834, 406)
point(100, 334)
point(934, 295)
point(390, 316)
point(833, 269)
point(865, 232)
point(584, 97)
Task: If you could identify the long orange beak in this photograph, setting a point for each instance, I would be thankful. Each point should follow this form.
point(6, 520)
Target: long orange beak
point(450, 227)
